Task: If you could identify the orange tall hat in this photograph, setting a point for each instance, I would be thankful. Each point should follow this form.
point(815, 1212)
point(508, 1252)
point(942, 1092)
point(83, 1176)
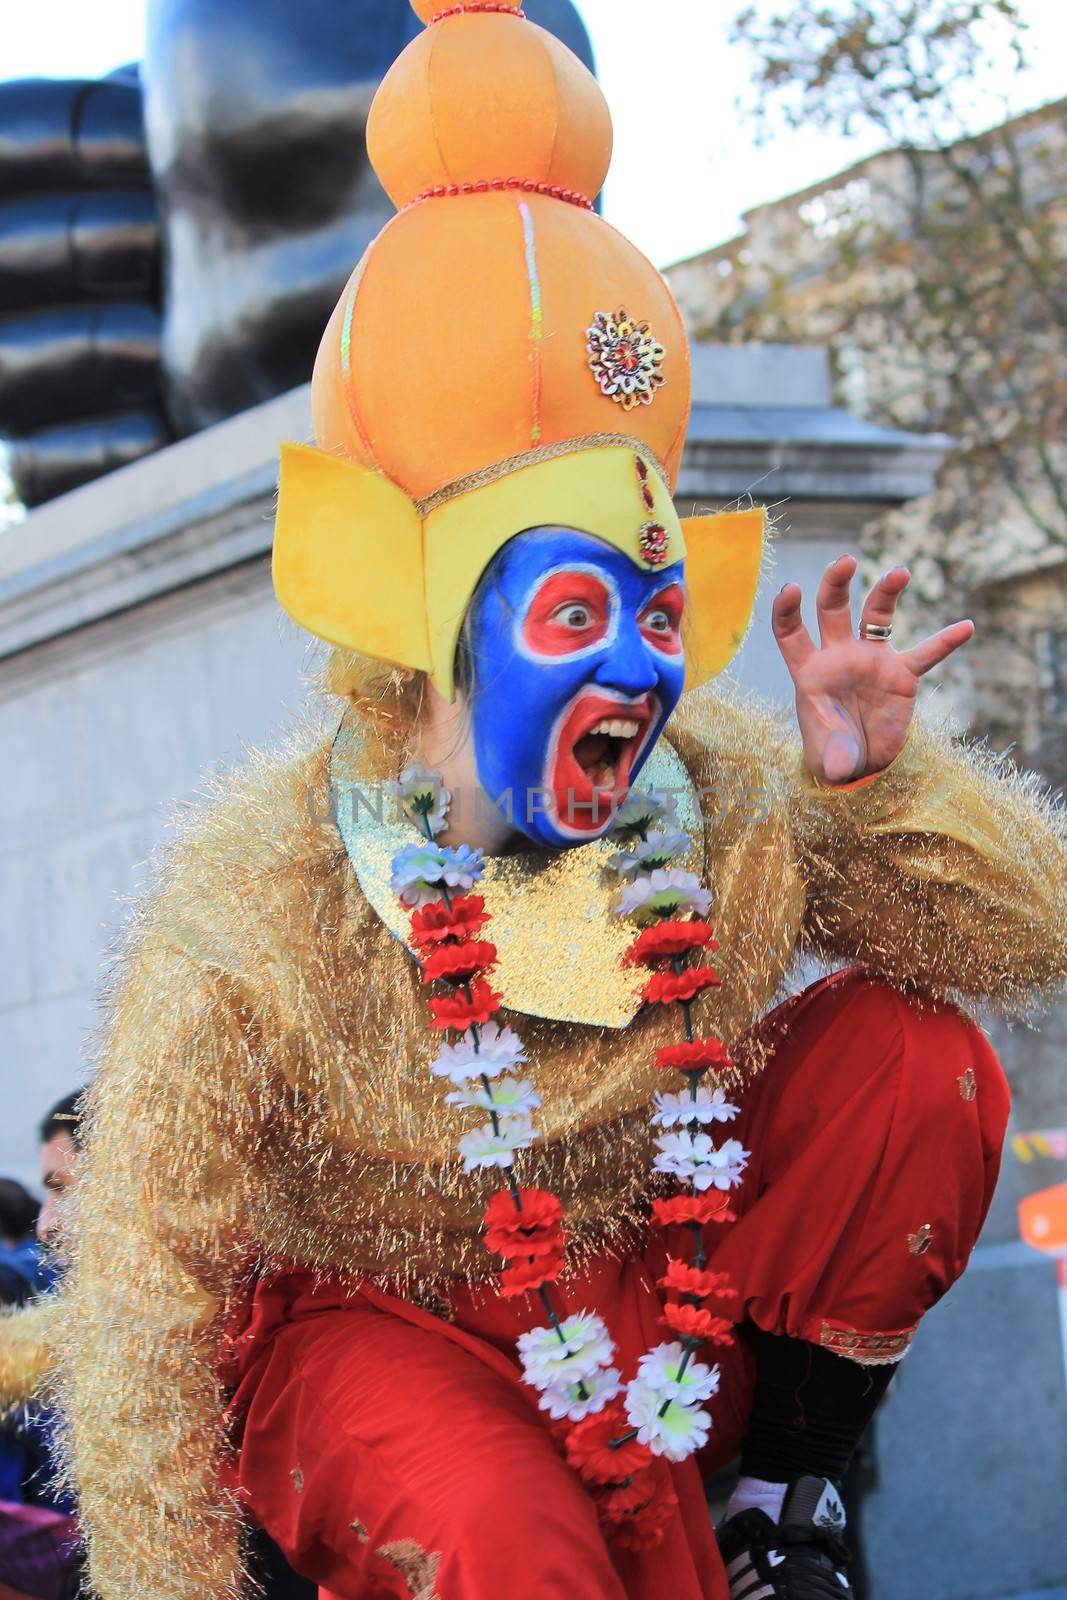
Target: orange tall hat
point(501, 359)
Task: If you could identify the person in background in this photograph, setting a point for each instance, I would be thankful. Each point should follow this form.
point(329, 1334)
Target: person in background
point(39, 1543)
point(60, 1136)
point(28, 1270)
point(19, 1251)
point(37, 1550)
point(19, 1266)
point(24, 1347)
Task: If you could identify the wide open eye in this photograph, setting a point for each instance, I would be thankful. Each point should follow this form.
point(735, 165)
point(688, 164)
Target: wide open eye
point(572, 615)
point(569, 611)
point(660, 620)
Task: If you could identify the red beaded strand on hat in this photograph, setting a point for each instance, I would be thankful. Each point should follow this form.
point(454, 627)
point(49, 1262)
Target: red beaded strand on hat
point(476, 5)
point(554, 191)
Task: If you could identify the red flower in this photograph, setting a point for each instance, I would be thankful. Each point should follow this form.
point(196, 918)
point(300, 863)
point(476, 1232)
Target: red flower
point(456, 1011)
point(434, 923)
point(685, 1279)
point(695, 1057)
point(526, 1275)
point(666, 987)
point(540, 1208)
point(616, 1501)
point(682, 1208)
point(645, 1529)
point(691, 1322)
point(664, 939)
point(536, 1230)
point(520, 1246)
point(458, 963)
point(589, 1449)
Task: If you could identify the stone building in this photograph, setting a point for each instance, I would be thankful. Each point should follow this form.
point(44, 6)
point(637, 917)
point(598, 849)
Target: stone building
point(935, 276)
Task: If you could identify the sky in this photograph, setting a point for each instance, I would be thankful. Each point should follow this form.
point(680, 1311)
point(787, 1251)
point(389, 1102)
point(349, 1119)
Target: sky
point(685, 166)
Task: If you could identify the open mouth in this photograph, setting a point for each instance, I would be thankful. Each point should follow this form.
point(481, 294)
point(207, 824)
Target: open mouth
point(598, 743)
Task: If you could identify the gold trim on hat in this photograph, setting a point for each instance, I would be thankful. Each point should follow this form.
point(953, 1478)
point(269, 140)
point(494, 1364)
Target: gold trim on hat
point(533, 458)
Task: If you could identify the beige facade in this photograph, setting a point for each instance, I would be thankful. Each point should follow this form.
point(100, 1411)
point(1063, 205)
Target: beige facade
point(847, 262)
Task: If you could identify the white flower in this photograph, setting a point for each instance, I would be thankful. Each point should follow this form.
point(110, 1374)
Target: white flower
point(676, 1434)
point(507, 1096)
point(552, 1359)
point(484, 1147)
point(496, 1050)
point(661, 892)
point(659, 1372)
point(647, 854)
point(729, 1162)
point(640, 810)
point(710, 1105)
point(692, 1158)
point(421, 871)
point(423, 797)
point(568, 1400)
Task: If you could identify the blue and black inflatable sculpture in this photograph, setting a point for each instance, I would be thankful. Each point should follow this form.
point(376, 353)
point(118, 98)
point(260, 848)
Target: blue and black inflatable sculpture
point(243, 169)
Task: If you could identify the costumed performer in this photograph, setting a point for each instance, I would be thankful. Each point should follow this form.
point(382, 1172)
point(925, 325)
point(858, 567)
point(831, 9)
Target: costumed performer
point(437, 1151)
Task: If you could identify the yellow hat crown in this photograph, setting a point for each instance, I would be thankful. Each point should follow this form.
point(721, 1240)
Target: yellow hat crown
point(501, 358)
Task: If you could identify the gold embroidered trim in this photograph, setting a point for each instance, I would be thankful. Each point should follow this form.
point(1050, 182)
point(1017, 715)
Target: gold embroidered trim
point(297, 1476)
point(533, 458)
point(866, 1349)
point(919, 1243)
point(417, 1568)
point(968, 1084)
point(434, 1304)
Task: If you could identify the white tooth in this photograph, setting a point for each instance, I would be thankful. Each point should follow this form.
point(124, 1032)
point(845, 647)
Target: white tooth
point(607, 780)
point(629, 730)
point(601, 727)
point(616, 730)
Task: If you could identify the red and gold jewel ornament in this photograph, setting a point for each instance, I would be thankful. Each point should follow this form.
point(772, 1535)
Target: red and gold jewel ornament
point(617, 1434)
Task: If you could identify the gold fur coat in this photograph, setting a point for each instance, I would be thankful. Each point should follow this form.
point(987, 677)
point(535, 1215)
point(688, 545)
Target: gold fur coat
point(264, 1092)
point(26, 1352)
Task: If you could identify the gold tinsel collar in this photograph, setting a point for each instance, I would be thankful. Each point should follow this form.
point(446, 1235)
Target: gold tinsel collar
point(559, 942)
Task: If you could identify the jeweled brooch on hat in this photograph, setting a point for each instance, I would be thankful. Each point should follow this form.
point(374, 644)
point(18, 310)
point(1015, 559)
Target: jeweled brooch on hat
point(654, 541)
point(624, 358)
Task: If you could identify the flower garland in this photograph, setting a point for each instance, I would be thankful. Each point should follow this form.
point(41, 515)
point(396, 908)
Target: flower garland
point(617, 1435)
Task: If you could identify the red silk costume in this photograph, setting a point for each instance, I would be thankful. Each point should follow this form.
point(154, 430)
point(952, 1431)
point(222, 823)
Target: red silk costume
point(873, 1112)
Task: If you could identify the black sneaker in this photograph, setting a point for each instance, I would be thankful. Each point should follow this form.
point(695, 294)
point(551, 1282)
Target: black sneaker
point(800, 1557)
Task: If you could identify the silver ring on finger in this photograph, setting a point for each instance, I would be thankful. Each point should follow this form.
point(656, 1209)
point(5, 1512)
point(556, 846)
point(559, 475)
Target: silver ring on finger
point(879, 632)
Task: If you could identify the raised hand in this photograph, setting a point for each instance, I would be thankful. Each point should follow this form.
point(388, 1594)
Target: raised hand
point(855, 696)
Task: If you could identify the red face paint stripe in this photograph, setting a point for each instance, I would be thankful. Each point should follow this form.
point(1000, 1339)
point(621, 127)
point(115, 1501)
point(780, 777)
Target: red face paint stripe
point(671, 601)
point(546, 628)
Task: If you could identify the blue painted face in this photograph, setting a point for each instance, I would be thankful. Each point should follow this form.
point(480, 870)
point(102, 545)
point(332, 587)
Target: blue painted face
point(577, 662)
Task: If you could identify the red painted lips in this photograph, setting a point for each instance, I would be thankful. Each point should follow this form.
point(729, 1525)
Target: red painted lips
point(597, 743)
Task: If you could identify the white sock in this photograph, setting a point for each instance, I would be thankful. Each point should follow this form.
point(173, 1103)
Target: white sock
point(757, 1494)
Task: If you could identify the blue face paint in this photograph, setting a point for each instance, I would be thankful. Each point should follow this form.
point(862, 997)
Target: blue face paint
point(576, 660)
